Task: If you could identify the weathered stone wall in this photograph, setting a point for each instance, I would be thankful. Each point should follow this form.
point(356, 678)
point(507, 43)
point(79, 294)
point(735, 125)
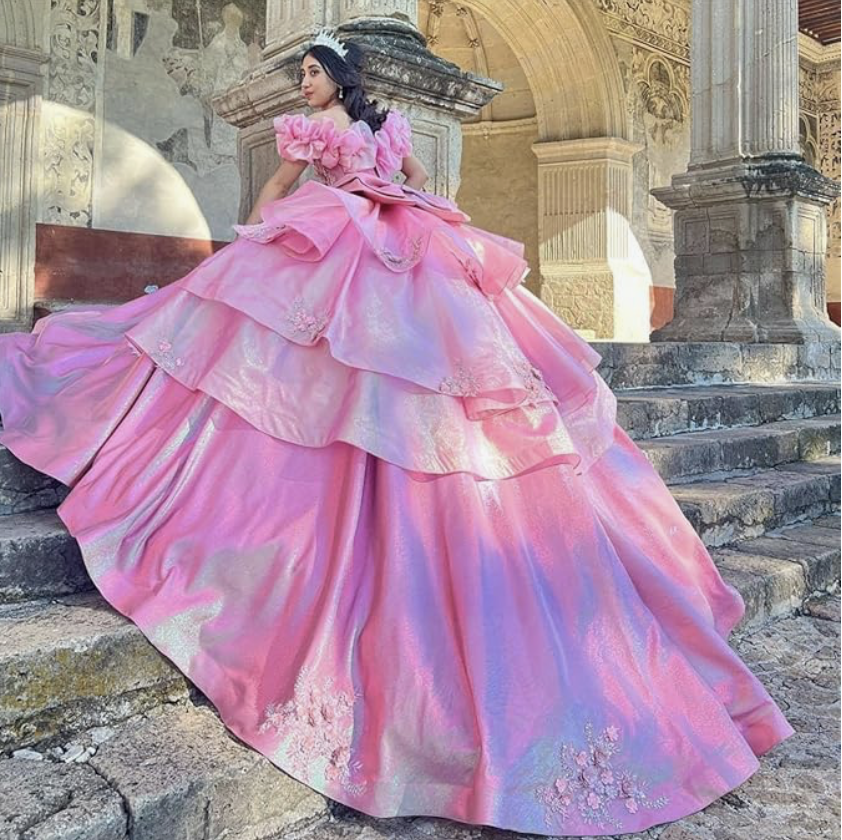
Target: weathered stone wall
point(500, 185)
point(129, 140)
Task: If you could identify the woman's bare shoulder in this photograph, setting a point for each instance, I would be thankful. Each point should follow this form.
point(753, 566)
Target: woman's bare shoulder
point(337, 115)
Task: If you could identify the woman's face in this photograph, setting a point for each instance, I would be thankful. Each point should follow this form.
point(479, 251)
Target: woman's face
point(316, 86)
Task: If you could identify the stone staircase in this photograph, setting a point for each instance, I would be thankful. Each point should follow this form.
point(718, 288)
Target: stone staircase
point(747, 436)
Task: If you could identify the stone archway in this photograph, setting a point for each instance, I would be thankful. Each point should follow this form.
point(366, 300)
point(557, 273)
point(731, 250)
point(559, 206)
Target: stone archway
point(590, 271)
point(572, 68)
point(21, 60)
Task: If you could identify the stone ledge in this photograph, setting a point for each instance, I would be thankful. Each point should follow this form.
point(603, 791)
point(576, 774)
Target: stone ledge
point(692, 455)
point(659, 412)
point(39, 558)
point(745, 507)
point(74, 663)
point(174, 772)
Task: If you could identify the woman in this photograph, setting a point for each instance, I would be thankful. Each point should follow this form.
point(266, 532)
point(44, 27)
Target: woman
point(369, 495)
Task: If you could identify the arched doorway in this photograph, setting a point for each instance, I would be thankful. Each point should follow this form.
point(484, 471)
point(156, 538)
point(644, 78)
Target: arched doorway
point(555, 151)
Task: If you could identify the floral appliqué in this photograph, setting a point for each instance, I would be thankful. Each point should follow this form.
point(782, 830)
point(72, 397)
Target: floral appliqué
point(317, 725)
point(164, 356)
point(398, 262)
point(464, 384)
point(263, 232)
point(590, 783)
point(533, 382)
point(304, 321)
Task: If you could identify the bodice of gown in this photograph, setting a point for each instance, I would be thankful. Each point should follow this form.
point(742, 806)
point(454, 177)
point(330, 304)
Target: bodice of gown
point(336, 153)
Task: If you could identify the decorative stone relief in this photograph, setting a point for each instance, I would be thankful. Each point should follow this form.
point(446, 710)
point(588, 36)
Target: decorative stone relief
point(829, 164)
point(662, 24)
point(68, 122)
point(68, 167)
point(819, 94)
point(405, 9)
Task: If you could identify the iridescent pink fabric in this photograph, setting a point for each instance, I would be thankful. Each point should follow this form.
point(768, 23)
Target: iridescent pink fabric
point(369, 495)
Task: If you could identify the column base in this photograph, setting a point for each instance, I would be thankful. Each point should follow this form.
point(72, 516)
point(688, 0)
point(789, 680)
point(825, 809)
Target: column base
point(750, 242)
point(600, 301)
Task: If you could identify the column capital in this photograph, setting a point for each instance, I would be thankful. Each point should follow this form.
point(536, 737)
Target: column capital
point(588, 148)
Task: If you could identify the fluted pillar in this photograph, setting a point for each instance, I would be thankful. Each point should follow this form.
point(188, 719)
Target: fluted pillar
point(588, 274)
point(749, 218)
point(744, 70)
point(400, 71)
point(21, 83)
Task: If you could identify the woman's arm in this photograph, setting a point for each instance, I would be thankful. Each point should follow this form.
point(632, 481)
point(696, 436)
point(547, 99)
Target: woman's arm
point(278, 185)
point(416, 174)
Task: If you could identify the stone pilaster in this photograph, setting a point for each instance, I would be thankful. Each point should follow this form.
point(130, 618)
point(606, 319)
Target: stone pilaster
point(20, 105)
point(435, 94)
point(588, 274)
point(749, 220)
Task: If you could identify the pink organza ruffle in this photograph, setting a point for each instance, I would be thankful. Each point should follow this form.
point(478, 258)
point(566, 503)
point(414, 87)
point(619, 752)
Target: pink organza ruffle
point(342, 151)
point(394, 143)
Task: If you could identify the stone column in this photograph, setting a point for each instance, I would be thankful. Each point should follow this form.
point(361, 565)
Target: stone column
point(435, 94)
point(588, 274)
point(749, 212)
point(20, 106)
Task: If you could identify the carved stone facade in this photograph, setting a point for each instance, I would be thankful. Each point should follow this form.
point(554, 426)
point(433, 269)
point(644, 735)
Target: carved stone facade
point(819, 92)
point(69, 127)
point(131, 139)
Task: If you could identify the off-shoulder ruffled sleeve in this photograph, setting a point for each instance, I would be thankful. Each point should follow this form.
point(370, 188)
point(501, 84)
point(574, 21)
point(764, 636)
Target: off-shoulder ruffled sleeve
point(300, 138)
point(394, 143)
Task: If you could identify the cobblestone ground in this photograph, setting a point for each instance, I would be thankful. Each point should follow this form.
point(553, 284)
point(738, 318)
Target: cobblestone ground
point(794, 795)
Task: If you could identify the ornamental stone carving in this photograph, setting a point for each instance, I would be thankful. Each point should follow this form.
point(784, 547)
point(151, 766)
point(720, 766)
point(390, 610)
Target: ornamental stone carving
point(68, 121)
point(662, 24)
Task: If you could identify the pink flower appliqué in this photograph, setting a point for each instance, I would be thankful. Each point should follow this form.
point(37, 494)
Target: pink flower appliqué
point(601, 793)
point(316, 727)
point(394, 143)
point(464, 383)
point(165, 358)
point(304, 322)
point(300, 138)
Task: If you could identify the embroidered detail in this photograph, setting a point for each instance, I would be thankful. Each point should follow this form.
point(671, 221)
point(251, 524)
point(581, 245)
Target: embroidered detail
point(590, 783)
point(165, 358)
point(533, 382)
point(317, 725)
point(263, 232)
point(463, 384)
point(396, 261)
point(305, 322)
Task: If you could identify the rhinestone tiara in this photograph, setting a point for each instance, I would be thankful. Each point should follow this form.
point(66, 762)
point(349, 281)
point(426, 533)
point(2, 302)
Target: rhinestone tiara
point(326, 38)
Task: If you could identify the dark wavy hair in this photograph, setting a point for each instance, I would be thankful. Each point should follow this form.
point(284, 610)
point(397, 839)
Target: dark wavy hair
point(347, 73)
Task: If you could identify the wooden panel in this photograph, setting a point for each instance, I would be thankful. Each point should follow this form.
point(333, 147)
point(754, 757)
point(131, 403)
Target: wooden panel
point(820, 19)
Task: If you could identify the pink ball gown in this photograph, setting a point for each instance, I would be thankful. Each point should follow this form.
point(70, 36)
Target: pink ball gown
point(368, 493)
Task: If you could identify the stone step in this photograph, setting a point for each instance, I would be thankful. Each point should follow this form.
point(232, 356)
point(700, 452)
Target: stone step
point(689, 456)
point(74, 663)
point(668, 363)
point(658, 412)
point(175, 772)
point(23, 489)
point(172, 773)
point(780, 571)
point(39, 558)
point(747, 505)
